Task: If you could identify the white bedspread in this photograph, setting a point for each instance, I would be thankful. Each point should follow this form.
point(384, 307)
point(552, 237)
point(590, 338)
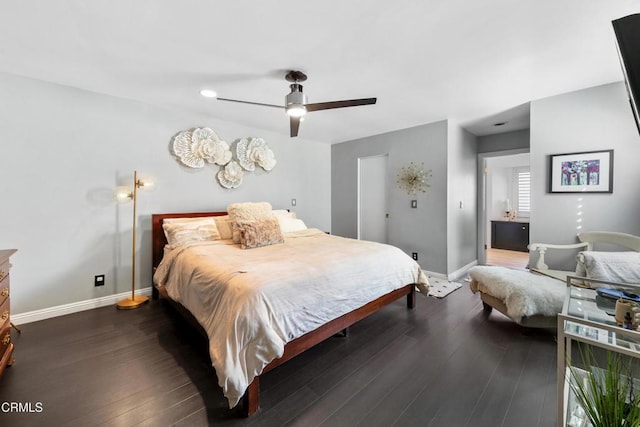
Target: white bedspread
point(252, 302)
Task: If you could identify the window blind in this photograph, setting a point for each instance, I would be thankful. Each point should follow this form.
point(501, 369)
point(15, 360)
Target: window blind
point(523, 185)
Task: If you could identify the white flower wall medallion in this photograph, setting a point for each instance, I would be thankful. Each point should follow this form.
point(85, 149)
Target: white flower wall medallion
point(194, 148)
point(197, 147)
point(255, 151)
point(414, 179)
point(231, 175)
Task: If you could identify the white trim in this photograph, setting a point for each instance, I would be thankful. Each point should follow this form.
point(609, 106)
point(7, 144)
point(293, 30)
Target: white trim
point(434, 274)
point(452, 276)
point(74, 307)
point(461, 271)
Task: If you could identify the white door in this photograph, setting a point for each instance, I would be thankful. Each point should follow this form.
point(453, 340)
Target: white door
point(372, 198)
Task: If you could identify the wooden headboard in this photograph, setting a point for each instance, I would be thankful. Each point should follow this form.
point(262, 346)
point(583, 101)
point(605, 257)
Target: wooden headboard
point(157, 233)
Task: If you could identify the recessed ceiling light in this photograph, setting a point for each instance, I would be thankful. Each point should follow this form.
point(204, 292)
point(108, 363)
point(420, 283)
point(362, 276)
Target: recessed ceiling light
point(500, 123)
point(208, 93)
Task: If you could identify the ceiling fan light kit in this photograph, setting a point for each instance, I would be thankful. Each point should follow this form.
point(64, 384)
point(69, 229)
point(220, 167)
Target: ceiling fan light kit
point(295, 103)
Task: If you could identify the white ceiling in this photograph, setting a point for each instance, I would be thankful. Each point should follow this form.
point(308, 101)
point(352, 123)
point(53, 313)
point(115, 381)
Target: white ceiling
point(475, 62)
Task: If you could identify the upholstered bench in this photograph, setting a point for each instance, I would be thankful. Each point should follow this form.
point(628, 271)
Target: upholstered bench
point(529, 299)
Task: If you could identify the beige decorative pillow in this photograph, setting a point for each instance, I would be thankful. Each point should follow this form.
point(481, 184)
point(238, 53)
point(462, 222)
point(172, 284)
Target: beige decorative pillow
point(247, 212)
point(189, 230)
point(224, 226)
point(257, 233)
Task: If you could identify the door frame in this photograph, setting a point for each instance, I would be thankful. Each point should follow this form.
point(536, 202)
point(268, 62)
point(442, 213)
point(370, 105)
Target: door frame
point(482, 198)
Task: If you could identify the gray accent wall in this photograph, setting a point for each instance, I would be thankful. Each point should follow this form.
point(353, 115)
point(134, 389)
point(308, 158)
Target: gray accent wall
point(65, 150)
point(427, 228)
point(597, 118)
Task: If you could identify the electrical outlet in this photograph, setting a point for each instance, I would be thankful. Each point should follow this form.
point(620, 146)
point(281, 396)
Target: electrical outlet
point(98, 280)
point(414, 255)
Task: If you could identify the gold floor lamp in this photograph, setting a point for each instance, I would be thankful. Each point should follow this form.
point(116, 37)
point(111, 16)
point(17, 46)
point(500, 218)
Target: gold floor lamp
point(124, 194)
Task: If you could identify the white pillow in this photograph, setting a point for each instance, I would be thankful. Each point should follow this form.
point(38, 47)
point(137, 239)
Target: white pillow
point(621, 267)
point(283, 213)
point(188, 230)
point(288, 225)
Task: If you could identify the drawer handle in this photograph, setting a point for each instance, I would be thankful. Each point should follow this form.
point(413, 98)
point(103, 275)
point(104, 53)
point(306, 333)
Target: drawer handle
point(4, 292)
point(2, 274)
point(5, 315)
point(6, 339)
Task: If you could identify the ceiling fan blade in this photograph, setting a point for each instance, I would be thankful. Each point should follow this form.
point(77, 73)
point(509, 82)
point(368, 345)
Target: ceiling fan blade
point(295, 124)
point(249, 102)
point(340, 104)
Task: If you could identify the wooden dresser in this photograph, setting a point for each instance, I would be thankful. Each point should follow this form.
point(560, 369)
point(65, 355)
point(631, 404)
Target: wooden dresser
point(6, 346)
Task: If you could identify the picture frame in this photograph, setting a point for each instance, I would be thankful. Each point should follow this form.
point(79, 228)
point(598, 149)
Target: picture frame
point(585, 172)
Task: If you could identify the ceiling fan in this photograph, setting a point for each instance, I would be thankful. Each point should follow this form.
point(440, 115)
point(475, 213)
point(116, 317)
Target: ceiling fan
point(296, 104)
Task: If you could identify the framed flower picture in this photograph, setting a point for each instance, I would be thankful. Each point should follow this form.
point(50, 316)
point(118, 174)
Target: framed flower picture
point(586, 172)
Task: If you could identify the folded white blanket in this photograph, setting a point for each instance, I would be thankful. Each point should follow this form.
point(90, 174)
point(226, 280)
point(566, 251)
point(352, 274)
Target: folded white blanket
point(524, 293)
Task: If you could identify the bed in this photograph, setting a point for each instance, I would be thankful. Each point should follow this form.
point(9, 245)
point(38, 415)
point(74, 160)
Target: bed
point(261, 307)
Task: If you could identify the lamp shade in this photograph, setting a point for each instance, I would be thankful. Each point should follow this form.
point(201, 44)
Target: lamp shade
point(146, 183)
point(123, 194)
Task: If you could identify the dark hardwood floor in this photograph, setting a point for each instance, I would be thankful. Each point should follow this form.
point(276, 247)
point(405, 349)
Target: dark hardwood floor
point(443, 364)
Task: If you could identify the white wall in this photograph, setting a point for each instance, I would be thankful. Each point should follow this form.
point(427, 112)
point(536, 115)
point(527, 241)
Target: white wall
point(65, 150)
point(597, 118)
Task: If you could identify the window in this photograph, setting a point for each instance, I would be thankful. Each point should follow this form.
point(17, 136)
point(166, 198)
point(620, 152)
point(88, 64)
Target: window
point(522, 187)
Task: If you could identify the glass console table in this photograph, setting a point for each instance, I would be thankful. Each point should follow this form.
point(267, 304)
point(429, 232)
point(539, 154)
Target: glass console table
point(588, 318)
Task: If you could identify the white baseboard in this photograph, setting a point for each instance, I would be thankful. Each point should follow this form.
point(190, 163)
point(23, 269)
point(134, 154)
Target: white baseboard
point(74, 307)
point(434, 274)
point(455, 275)
point(461, 271)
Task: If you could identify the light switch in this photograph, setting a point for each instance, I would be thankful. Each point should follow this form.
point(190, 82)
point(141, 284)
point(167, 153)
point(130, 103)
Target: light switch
point(293, 202)
point(461, 204)
point(414, 203)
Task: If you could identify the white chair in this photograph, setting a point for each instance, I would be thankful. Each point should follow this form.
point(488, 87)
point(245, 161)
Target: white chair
point(534, 300)
point(588, 241)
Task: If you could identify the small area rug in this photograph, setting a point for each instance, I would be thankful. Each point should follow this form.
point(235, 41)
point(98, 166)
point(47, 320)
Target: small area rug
point(440, 288)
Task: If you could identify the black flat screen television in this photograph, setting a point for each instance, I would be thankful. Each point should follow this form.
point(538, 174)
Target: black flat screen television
point(627, 31)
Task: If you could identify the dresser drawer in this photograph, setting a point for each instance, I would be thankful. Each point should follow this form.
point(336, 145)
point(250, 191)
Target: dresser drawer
point(4, 313)
point(4, 270)
point(5, 338)
point(4, 291)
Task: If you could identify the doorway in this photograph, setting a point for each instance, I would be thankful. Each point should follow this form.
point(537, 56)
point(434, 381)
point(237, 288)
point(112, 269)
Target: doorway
point(501, 187)
point(372, 198)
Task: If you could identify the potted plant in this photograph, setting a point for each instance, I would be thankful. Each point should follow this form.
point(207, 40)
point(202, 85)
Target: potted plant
point(606, 394)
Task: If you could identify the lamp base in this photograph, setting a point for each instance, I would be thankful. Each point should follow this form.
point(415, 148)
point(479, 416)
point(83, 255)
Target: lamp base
point(128, 303)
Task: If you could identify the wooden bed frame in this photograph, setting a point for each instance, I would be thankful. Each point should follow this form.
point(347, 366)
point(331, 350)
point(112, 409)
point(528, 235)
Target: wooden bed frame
point(250, 400)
